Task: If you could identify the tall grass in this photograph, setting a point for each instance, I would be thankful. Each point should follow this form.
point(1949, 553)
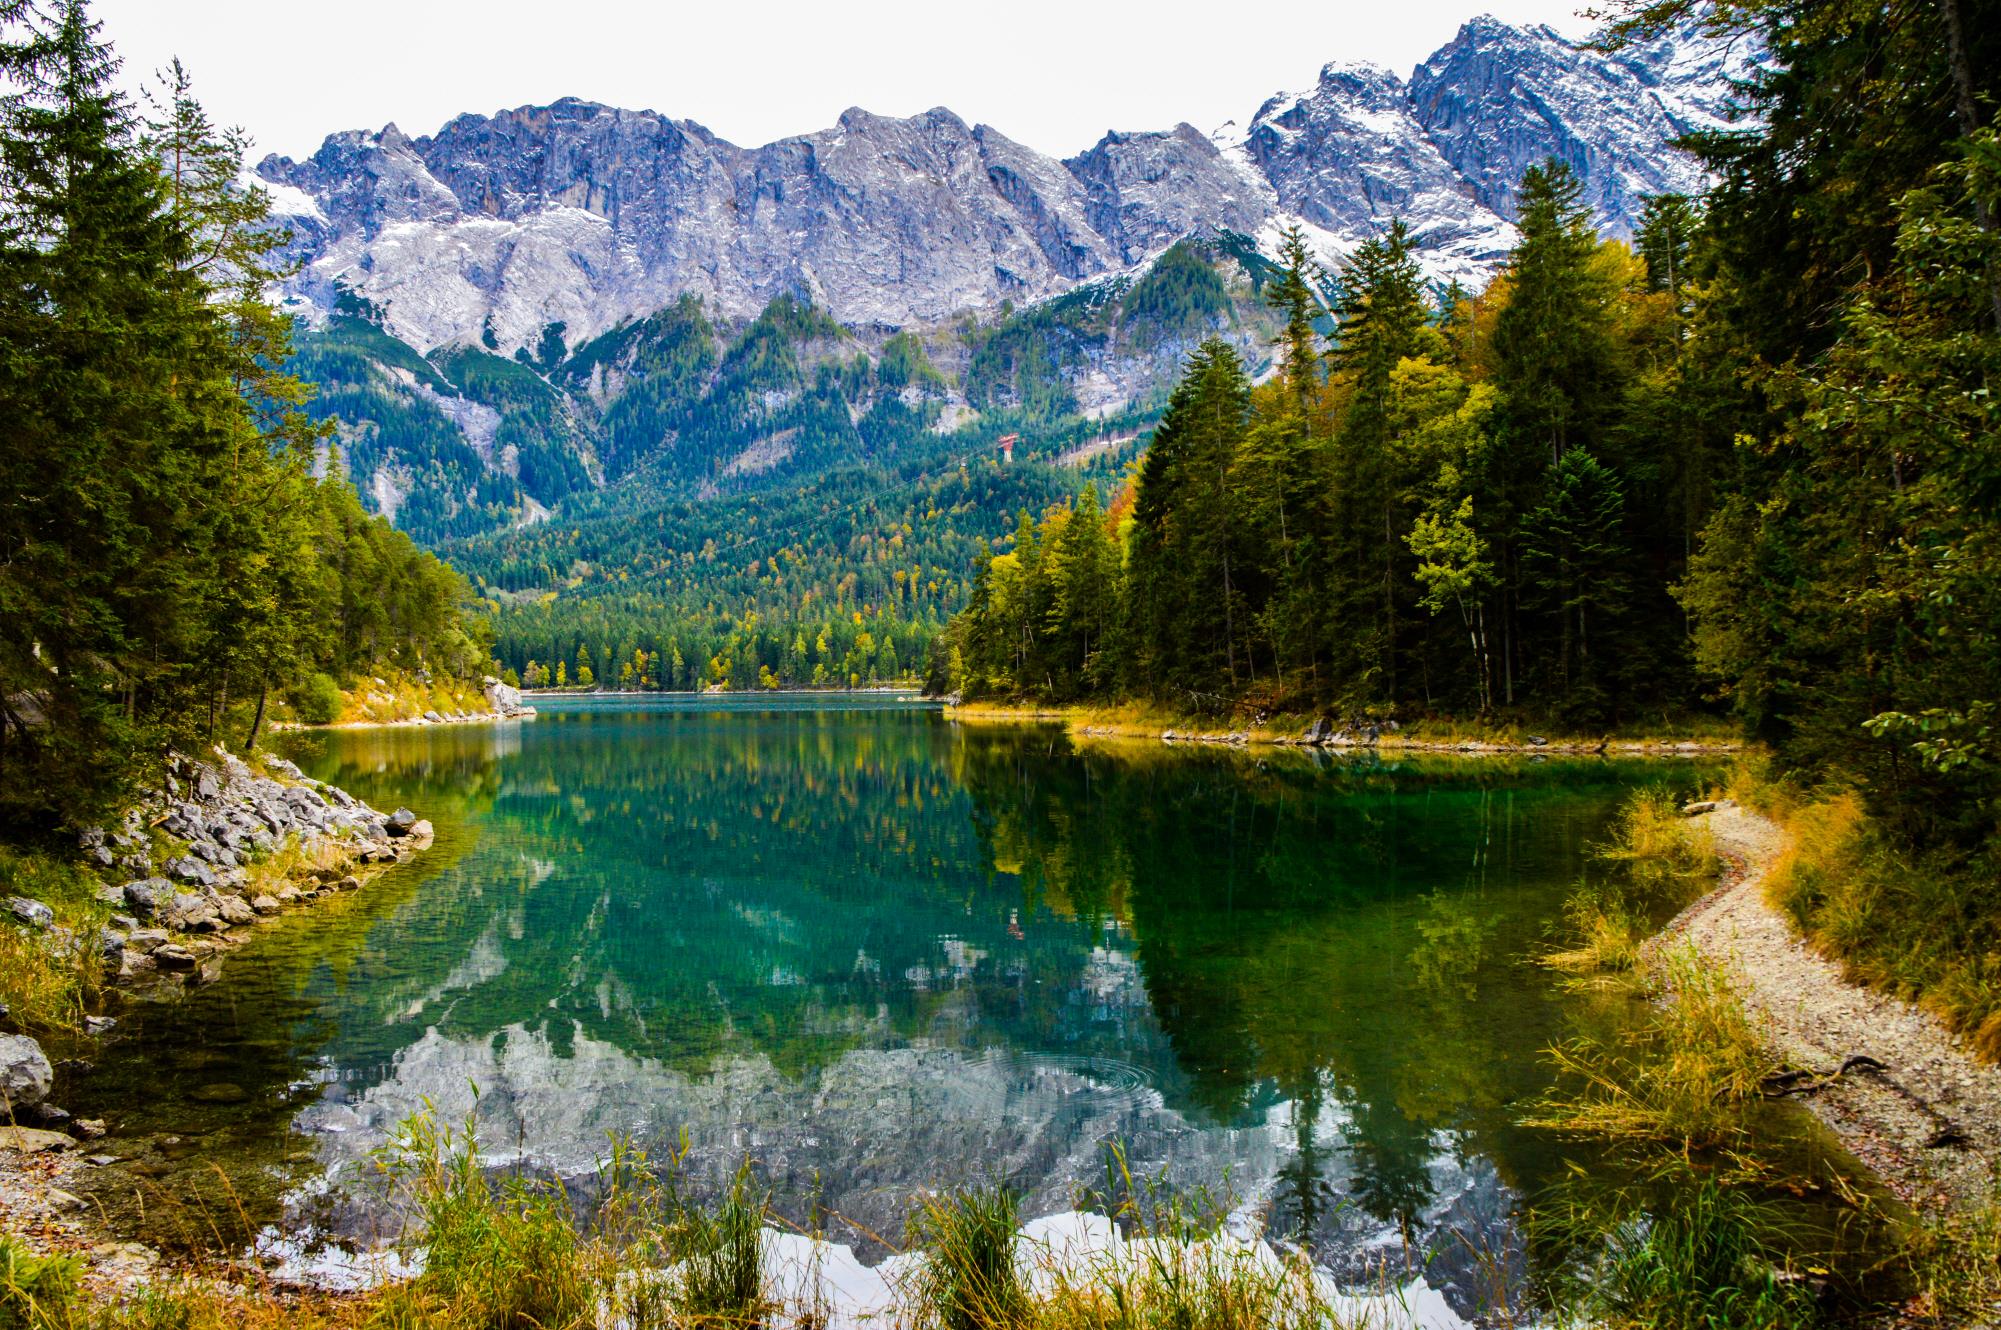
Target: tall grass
point(970, 1280)
point(1684, 1252)
point(1924, 927)
point(1656, 863)
point(49, 977)
point(1687, 1075)
point(38, 1292)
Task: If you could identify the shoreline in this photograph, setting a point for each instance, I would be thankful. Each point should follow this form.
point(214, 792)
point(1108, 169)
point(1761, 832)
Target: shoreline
point(1921, 1111)
point(1082, 722)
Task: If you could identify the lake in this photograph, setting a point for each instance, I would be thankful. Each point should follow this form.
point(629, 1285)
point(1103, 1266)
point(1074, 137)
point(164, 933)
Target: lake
point(874, 952)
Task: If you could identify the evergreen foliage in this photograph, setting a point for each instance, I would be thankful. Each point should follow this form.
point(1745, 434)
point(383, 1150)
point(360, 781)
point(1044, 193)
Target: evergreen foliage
point(169, 555)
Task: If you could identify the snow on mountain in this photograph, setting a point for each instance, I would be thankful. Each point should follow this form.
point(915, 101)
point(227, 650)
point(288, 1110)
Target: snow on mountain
point(500, 227)
point(1497, 99)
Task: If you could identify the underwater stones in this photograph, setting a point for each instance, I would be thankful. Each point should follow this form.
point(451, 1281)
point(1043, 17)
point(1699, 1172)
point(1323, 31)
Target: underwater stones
point(221, 1092)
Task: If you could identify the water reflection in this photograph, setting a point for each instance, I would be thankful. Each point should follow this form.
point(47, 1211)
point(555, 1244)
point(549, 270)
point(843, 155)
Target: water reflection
point(877, 952)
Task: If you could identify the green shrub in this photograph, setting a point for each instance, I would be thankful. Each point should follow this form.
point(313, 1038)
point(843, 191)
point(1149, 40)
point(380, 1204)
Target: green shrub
point(318, 701)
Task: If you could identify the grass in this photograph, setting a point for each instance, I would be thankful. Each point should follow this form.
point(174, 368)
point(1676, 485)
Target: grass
point(1656, 864)
point(1686, 1076)
point(1927, 928)
point(1682, 1252)
point(48, 986)
point(38, 1292)
point(380, 699)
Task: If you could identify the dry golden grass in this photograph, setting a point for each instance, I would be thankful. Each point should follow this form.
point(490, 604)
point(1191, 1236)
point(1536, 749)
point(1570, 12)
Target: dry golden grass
point(400, 696)
point(1685, 1077)
point(46, 985)
point(1658, 862)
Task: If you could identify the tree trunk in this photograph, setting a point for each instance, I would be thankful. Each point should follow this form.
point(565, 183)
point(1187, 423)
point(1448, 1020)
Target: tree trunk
point(256, 721)
point(1966, 104)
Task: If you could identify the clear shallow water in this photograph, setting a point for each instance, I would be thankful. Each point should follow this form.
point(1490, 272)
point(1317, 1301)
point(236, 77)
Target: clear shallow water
point(877, 952)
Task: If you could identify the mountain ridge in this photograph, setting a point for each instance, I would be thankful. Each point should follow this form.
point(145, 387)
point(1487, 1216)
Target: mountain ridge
point(579, 214)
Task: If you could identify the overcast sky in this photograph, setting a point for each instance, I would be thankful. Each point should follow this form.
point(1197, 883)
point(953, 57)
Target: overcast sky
point(1054, 74)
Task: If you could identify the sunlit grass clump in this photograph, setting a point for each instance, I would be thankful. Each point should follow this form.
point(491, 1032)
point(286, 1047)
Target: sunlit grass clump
point(1657, 862)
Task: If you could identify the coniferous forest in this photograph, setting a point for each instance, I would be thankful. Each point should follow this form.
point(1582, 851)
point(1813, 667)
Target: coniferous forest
point(178, 546)
point(1750, 461)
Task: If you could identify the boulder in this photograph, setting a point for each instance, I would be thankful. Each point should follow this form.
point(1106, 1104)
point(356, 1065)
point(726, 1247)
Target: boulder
point(500, 696)
point(25, 1074)
point(29, 1141)
point(433, 717)
point(110, 946)
point(421, 834)
point(99, 1024)
point(400, 822)
point(174, 959)
point(147, 895)
point(191, 870)
point(30, 913)
point(235, 910)
point(146, 940)
point(89, 1129)
point(187, 913)
point(264, 905)
point(112, 896)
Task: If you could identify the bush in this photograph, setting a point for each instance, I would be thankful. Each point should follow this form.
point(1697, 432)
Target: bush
point(318, 701)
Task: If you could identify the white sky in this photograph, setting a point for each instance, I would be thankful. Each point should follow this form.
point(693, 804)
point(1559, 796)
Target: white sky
point(1054, 74)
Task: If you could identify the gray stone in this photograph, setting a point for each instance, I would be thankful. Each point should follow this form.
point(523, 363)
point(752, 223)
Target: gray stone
point(99, 1024)
point(30, 913)
point(187, 913)
point(264, 905)
point(174, 958)
point(110, 945)
point(146, 940)
point(112, 896)
point(89, 1129)
point(28, 1140)
point(400, 822)
point(191, 870)
point(25, 1075)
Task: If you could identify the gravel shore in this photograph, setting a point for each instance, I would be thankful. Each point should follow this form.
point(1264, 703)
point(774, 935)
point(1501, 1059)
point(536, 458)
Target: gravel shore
point(1928, 1119)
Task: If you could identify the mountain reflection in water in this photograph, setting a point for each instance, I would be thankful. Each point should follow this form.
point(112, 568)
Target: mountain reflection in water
point(878, 952)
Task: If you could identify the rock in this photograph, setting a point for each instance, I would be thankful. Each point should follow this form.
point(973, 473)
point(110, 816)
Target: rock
point(500, 697)
point(110, 945)
point(89, 1129)
point(287, 895)
point(223, 1092)
point(99, 1024)
point(30, 913)
point(145, 940)
point(111, 896)
point(421, 834)
point(174, 958)
point(264, 905)
point(235, 910)
point(147, 895)
point(49, 1116)
point(25, 1075)
point(1537, 741)
point(284, 768)
point(1699, 807)
point(349, 883)
point(400, 822)
point(191, 870)
point(187, 913)
point(29, 1140)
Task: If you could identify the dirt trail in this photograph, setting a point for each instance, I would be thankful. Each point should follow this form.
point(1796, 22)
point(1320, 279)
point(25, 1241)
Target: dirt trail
point(1928, 1119)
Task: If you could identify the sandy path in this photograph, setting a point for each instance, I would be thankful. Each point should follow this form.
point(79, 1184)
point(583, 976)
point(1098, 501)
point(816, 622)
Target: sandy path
point(1929, 1122)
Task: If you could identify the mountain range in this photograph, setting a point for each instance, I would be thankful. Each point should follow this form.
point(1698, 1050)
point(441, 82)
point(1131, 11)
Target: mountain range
point(556, 303)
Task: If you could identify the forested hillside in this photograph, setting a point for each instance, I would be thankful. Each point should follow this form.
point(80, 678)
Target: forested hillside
point(173, 554)
point(774, 501)
point(1754, 459)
